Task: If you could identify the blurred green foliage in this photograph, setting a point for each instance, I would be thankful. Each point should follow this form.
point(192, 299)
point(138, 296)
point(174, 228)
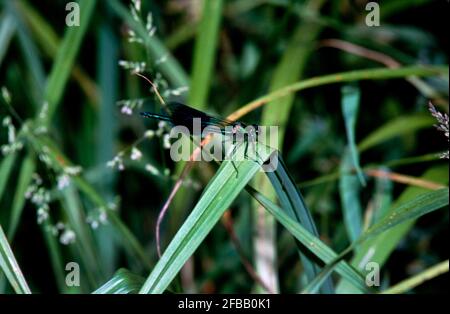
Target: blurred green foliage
point(83, 177)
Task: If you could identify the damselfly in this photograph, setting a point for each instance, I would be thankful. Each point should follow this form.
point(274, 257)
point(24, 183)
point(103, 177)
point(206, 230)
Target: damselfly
point(199, 123)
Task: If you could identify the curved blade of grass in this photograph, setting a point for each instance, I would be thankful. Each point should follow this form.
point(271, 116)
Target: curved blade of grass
point(412, 160)
point(289, 70)
point(26, 172)
point(54, 250)
point(412, 282)
point(311, 242)
point(109, 86)
point(6, 167)
point(128, 240)
point(349, 188)
point(123, 282)
point(205, 52)
point(317, 282)
point(378, 248)
point(291, 196)
point(409, 206)
point(203, 60)
point(419, 206)
point(292, 202)
point(7, 29)
point(65, 59)
point(217, 197)
point(181, 35)
point(393, 163)
point(87, 249)
point(10, 267)
point(400, 126)
point(30, 52)
point(203, 63)
point(44, 33)
point(351, 76)
point(49, 42)
point(395, 7)
point(350, 107)
point(382, 198)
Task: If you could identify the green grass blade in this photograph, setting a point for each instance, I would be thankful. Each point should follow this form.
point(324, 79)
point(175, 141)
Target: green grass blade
point(350, 107)
point(410, 283)
point(128, 240)
point(411, 210)
point(10, 267)
point(393, 163)
point(317, 282)
point(56, 259)
point(293, 197)
point(351, 76)
point(217, 197)
point(123, 282)
point(43, 32)
point(419, 206)
point(108, 56)
point(26, 172)
point(85, 243)
point(292, 202)
point(48, 41)
point(181, 35)
point(349, 188)
point(382, 198)
point(289, 70)
point(400, 126)
point(378, 249)
point(205, 52)
point(314, 244)
point(203, 62)
point(30, 52)
point(6, 167)
point(7, 29)
point(398, 6)
point(413, 160)
point(65, 59)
